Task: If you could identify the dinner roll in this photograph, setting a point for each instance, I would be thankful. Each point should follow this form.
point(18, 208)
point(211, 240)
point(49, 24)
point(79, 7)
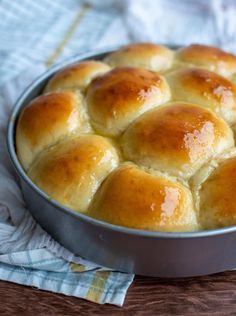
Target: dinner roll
point(217, 193)
point(45, 121)
point(208, 57)
point(177, 138)
point(76, 76)
point(134, 198)
point(71, 171)
point(205, 88)
point(118, 97)
point(143, 55)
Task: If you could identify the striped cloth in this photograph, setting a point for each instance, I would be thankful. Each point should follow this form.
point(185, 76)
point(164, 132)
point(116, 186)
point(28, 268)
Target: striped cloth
point(40, 269)
point(46, 31)
point(33, 36)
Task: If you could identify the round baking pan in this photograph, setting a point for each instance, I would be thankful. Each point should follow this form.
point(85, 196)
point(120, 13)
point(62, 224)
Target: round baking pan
point(127, 250)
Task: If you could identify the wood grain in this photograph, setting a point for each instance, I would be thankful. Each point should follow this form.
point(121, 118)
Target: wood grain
point(210, 295)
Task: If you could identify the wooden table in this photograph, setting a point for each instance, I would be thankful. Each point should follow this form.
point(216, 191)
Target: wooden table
point(211, 295)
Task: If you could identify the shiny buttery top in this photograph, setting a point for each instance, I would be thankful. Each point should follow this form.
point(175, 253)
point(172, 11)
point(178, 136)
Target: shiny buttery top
point(116, 98)
point(76, 76)
point(212, 58)
point(134, 198)
point(205, 88)
point(217, 196)
point(142, 55)
point(45, 120)
point(177, 138)
point(72, 170)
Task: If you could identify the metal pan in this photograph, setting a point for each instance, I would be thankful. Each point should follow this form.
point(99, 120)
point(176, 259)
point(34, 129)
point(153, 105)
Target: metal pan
point(120, 248)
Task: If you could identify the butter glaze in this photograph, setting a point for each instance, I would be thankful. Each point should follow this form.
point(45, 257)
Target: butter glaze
point(76, 76)
point(145, 201)
point(72, 170)
point(211, 58)
point(187, 132)
point(45, 120)
point(205, 88)
point(143, 55)
point(217, 202)
point(116, 98)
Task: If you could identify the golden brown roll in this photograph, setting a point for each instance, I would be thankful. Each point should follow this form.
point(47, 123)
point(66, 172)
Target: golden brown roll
point(134, 198)
point(118, 97)
point(208, 57)
point(177, 138)
point(143, 55)
point(217, 196)
point(45, 121)
point(76, 76)
point(205, 88)
point(71, 171)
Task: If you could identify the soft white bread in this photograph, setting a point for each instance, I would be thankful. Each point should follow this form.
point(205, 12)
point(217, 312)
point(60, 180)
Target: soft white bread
point(208, 57)
point(177, 138)
point(217, 196)
point(71, 171)
point(205, 88)
point(134, 198)
point(46, 120)
point(76, 76)
point(118, 97)
point(144, 55)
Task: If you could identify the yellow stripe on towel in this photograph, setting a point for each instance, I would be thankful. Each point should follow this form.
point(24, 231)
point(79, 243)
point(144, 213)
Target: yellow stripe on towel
point(56, 53)
point(77, 267)
point(98, 285)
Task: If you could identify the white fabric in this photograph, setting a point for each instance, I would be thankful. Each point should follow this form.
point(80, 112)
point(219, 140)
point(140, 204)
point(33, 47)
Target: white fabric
point(176, 22)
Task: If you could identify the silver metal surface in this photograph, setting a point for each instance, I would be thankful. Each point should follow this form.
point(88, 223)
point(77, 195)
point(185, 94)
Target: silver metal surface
point(120, 248)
